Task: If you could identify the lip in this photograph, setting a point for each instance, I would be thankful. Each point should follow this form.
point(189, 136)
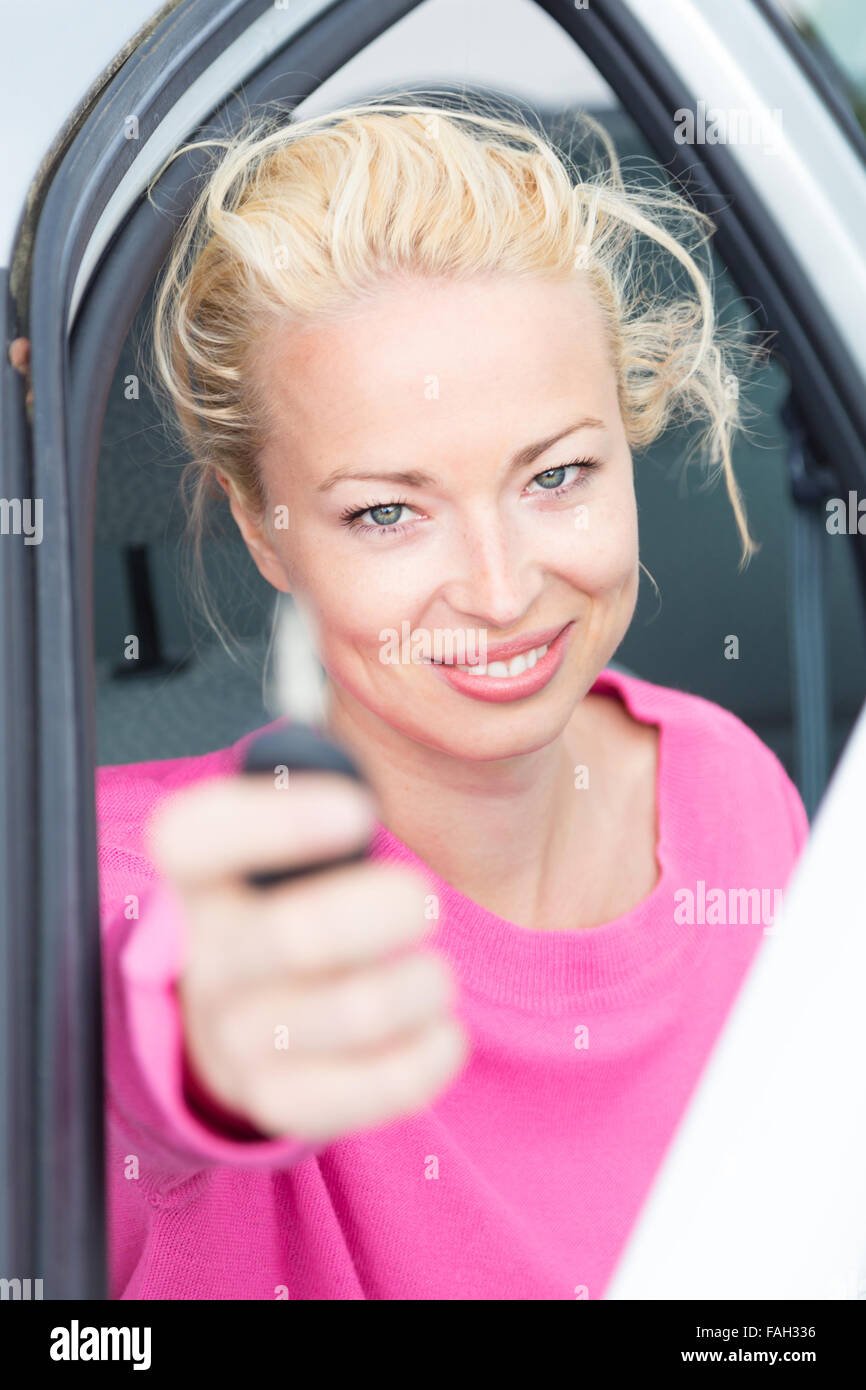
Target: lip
point(504, 651)
point(499, 689)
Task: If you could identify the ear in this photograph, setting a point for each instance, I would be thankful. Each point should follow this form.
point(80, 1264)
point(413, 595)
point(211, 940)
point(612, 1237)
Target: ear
point(267, 561)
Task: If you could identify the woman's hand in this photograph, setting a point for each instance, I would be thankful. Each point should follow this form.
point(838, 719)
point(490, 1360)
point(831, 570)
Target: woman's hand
point(297, 1015)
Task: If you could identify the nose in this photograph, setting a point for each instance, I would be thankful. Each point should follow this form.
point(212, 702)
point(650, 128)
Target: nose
point(495, 580)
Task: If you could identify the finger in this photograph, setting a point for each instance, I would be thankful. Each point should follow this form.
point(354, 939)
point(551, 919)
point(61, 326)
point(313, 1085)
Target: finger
point(19, 354)
point(238, 825)
point(330, 1097)
point(346, 916)
point(367, 1008)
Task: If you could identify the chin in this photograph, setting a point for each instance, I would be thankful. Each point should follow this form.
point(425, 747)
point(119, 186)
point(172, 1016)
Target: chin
point(491, 735)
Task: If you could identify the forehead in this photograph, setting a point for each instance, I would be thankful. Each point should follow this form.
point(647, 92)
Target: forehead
point(440, 356)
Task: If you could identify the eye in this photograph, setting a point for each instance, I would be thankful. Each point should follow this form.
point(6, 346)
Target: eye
point(385, 517)
point(561, 479)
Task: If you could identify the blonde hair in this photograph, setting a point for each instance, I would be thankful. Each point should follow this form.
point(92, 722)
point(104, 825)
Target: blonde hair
point(303, 220)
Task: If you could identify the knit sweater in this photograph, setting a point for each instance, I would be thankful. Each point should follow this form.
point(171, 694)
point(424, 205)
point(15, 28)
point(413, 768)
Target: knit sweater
point(524, 1177)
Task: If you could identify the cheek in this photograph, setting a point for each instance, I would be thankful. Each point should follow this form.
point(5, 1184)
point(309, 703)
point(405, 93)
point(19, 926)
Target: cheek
point(356, 595)
point(599, 553)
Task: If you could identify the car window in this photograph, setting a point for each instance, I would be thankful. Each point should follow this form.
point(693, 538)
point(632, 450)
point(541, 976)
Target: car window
point(836, 35)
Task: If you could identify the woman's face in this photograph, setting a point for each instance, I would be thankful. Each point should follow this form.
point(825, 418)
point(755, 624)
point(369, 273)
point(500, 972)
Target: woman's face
point(454, 477)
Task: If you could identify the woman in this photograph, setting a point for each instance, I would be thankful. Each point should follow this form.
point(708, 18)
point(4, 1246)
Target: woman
point(415, 352)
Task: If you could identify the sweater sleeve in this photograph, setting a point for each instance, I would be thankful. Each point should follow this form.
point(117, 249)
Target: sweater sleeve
point(163, 1114)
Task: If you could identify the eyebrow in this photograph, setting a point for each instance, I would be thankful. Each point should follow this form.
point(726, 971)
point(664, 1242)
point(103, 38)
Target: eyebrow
point(414, 478)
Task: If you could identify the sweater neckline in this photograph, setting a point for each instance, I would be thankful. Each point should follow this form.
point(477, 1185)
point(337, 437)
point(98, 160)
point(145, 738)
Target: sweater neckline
point(612, 963)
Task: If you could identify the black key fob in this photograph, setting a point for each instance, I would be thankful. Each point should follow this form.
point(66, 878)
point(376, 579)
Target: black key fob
point(299, 748)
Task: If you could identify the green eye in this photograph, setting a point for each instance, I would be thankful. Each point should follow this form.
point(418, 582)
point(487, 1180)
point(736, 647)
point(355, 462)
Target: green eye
point(551, 477)
point(564, 477)
point(386, 515)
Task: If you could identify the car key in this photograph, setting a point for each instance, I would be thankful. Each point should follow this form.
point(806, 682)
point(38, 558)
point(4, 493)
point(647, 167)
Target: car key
point(300, 746)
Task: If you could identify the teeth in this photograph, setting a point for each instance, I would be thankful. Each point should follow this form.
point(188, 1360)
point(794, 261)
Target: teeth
point(524, 661)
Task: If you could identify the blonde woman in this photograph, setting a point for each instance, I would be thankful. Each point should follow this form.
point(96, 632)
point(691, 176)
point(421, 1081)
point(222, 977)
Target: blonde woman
point(451, 1070)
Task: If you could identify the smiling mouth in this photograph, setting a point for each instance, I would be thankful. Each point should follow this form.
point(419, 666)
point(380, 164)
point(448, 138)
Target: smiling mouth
point(515, 666)
point(511, 673)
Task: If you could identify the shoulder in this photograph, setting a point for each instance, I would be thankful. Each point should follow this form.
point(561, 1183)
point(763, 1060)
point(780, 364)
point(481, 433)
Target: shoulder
point(710, 727)
point(719, 754)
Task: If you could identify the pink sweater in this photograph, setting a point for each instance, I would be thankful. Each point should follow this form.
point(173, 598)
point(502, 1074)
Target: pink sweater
point(523, 1179)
